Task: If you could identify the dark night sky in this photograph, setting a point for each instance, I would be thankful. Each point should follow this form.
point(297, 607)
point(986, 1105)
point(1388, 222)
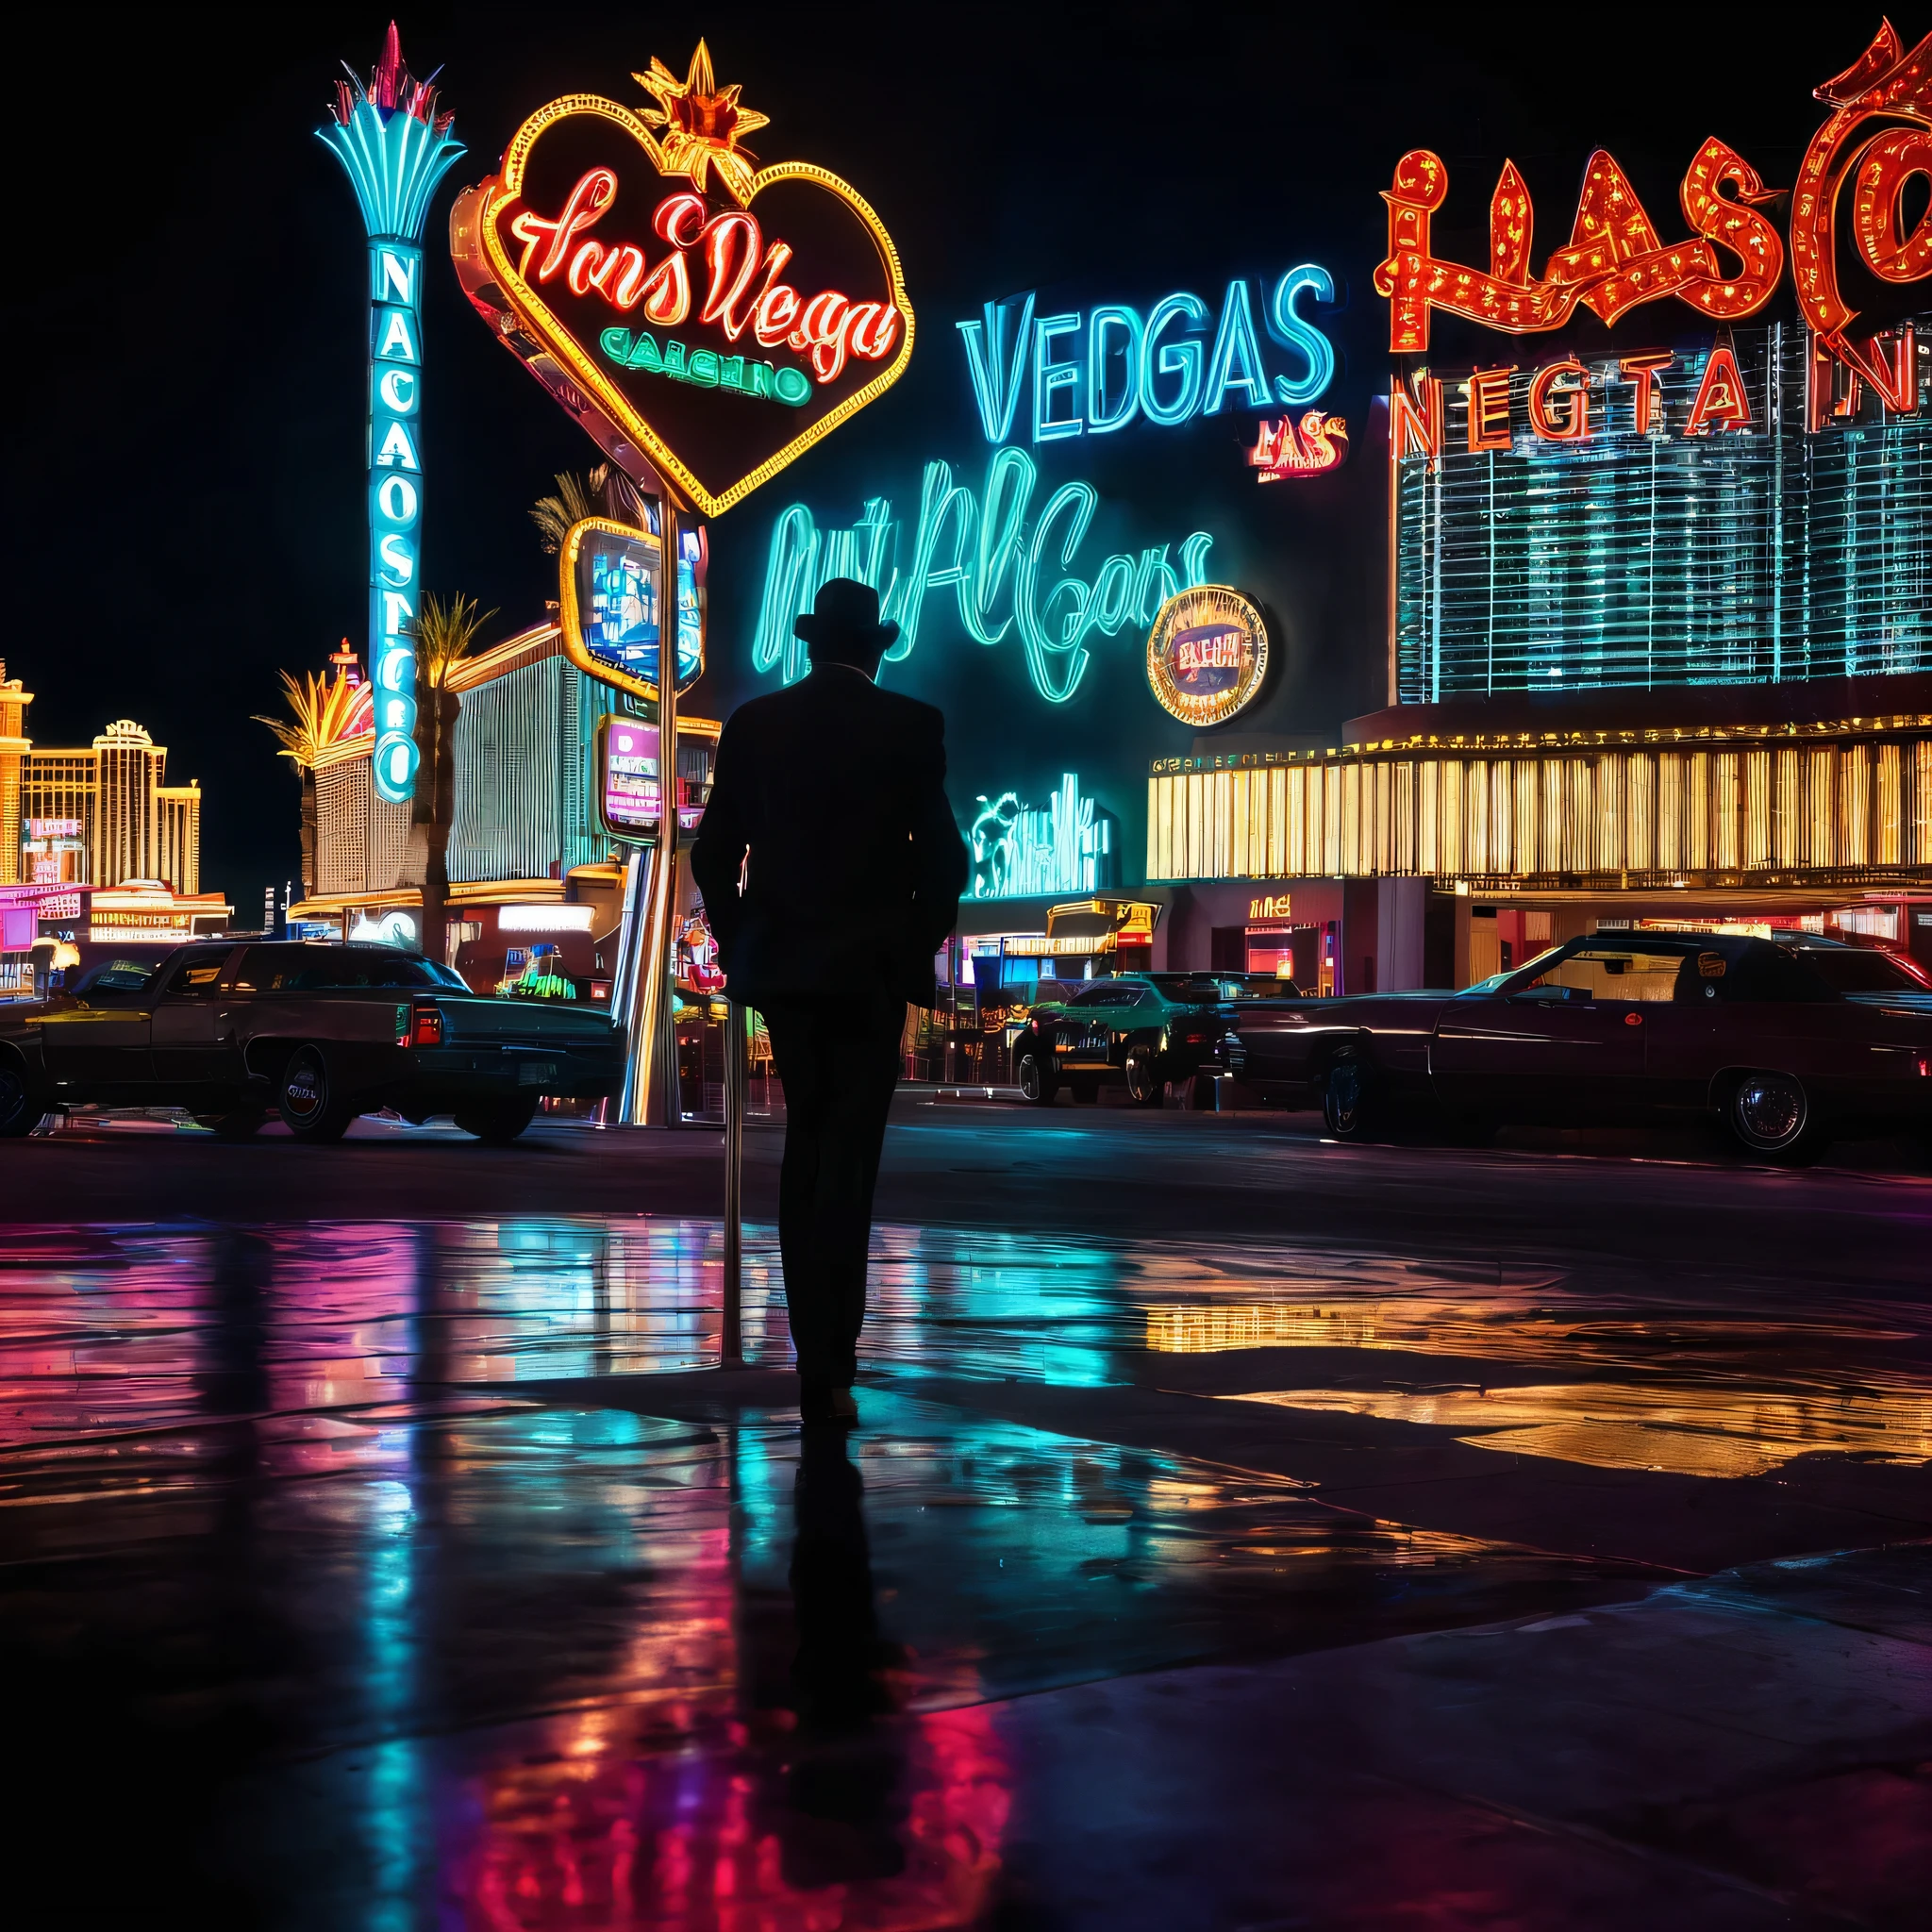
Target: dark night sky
point(185, 427)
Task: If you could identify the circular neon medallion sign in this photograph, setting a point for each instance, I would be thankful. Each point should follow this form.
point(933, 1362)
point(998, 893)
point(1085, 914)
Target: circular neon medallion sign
point(1206, 654)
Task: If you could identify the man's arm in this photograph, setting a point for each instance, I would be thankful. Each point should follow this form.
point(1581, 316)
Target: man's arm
point(717, 855)
point(939, 859)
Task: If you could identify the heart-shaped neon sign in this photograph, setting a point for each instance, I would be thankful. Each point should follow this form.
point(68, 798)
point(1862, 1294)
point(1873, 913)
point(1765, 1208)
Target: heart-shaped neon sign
point(700, 316)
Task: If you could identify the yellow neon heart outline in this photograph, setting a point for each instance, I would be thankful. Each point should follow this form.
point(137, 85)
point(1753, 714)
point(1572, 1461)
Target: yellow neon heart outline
point(506, 186)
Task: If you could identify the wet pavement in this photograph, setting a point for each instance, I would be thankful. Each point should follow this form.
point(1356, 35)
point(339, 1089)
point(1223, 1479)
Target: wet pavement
point(394, 1572)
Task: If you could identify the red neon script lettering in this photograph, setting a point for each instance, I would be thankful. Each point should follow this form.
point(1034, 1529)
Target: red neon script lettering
point(588, 200)
point(741, 289)
point(1614, 260)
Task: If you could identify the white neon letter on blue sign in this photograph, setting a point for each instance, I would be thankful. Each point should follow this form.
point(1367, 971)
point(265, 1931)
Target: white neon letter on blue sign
point(1292, 332)
point(1049, 377)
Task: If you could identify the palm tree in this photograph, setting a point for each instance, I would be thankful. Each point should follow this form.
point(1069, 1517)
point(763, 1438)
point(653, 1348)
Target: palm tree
point(321, 710)
point(444, 634)
point(604, 492)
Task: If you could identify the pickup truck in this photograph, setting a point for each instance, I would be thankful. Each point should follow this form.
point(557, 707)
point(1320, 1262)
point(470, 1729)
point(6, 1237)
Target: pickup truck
point(316, 1033)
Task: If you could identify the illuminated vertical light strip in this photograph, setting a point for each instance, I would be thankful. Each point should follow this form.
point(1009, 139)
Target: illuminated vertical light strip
point(395, 148)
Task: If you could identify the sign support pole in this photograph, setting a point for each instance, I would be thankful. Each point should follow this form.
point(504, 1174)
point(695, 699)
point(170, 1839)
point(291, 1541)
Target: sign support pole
point(668, 627)
point(737, 1093)
point(653, 1097)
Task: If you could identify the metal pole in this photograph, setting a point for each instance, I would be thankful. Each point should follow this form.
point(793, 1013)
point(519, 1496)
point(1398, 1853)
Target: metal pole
point(669, 1090)
point(737, 1085)
point(624, 1000)
point(651, 1097)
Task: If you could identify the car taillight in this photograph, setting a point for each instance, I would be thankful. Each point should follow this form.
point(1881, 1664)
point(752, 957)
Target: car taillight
point(1193, 1039)
point(427, 1027)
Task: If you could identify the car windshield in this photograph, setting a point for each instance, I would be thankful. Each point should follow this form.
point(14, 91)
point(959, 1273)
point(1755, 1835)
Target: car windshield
point(1214, 989)
point(117, 976)
point(1863, 969)
point(339, 969)
point(1496, 981)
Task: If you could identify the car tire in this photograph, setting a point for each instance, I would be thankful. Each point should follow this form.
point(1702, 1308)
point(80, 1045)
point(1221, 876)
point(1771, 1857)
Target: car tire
point(497, 1127)
point(1352, 1101)
point(1033, 1073)
point(1771, 1118)
point(21, 1110)
point(1145, 1086)
point(306, 1100)
point(244, 1124)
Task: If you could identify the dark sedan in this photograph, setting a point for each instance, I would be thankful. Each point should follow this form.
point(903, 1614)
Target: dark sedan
point(315, 1033)
point(1137, 1030)
point(1788, 1045)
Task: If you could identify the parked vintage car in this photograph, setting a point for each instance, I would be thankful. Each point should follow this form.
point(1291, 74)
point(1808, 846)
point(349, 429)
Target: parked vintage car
point(1138, 1030)
point(317, 1033)
point(1789, 1044)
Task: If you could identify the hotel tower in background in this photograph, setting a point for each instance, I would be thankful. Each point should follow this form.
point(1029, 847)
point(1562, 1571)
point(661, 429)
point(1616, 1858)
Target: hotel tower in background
point(98, 815)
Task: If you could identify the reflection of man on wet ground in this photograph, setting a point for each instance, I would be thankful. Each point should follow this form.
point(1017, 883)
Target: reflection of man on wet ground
point(844, 1802)
point(829, 802)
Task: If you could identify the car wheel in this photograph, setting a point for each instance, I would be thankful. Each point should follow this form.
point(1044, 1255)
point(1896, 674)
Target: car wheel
point(497, 1127)
point(243, 1125)
point(1771, 1118)
point(21, 1111)
point(1351, 1102)
point(1034, 1073)
point(306, 1100)
point(1145, 1088)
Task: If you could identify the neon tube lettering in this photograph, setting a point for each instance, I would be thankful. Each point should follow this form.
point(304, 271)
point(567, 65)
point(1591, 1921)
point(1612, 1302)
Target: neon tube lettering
point(996, 568)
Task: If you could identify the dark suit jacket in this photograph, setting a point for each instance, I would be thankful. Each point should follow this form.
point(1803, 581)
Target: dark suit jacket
point(837, 791)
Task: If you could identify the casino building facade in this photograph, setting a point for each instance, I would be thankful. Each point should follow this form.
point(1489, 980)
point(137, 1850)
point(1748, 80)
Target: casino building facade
point(1672, 673)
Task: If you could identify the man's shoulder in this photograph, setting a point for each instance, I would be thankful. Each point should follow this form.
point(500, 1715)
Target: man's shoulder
point(855, 696)
point(770, 712)
point(913, 714)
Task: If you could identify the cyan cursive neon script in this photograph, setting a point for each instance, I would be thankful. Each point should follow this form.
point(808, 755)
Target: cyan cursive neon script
point(999, 568)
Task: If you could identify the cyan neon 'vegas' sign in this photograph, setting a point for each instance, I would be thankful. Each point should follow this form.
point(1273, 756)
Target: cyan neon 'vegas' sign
point(1097, 371)
point(1003, 561)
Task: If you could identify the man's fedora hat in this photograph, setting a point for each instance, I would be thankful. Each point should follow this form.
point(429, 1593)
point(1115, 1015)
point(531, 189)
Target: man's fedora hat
point(847, 612)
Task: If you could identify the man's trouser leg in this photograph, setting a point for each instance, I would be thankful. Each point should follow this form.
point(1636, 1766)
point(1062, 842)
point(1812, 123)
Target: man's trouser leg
point(839, 1064)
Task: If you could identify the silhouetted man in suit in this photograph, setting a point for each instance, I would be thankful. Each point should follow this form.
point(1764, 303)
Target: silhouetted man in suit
point(829, 798)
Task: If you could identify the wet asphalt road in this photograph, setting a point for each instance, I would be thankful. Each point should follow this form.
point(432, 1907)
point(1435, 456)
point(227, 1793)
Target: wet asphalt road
point(379, 1549)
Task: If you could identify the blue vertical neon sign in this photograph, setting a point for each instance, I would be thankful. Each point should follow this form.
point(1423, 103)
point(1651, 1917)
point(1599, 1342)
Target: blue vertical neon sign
point(395, 148)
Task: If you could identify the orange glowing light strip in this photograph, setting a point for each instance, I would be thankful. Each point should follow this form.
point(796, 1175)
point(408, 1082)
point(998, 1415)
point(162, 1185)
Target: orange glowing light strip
point(501, 190)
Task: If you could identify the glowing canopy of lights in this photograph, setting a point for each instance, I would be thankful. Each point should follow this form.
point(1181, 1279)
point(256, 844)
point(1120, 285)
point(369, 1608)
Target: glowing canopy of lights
point(1746, 512)
point(1019, 851)
point(1000, 568)
point(1877, 139)
point(702, 318)
point(1096, 371)
point(394, 147)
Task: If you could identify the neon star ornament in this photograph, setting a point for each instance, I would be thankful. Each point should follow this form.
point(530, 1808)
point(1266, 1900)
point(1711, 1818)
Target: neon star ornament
point(703, 124)
point(395, 148)
point(706, 319)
